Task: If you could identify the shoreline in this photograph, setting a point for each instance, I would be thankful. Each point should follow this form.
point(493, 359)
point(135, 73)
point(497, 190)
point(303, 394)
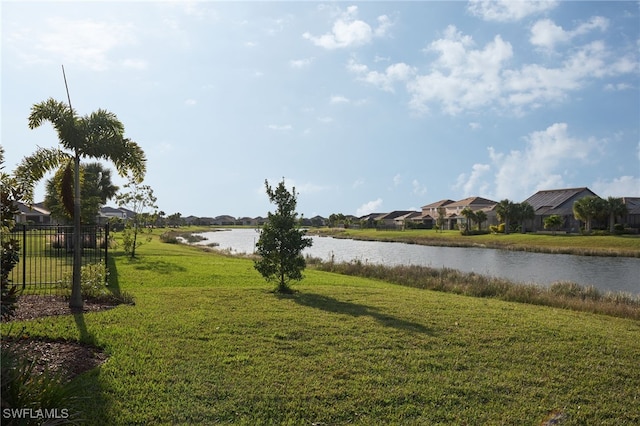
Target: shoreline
point(463, 241)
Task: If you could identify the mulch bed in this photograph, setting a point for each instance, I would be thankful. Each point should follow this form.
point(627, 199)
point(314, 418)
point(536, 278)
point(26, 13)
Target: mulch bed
point(67, 358)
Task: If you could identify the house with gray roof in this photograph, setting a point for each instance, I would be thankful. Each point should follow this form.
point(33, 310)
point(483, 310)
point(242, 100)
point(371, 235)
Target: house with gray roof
point(35, 214)
point(559, 202)
point(632, 218)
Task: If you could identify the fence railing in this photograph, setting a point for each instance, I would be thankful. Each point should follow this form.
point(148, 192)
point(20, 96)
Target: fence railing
point(46, 254)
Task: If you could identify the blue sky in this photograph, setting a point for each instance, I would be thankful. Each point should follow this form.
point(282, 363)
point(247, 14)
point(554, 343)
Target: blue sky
point(362, 106)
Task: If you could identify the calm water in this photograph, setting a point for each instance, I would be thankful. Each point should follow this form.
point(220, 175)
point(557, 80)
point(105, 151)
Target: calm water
point(605, 273)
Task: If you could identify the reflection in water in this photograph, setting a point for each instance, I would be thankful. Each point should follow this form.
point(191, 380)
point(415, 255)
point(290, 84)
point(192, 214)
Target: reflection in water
point(605, 273)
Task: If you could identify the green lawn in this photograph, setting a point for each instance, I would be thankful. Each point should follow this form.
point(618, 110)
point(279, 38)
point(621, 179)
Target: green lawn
point(602, 245)
point(208, 343)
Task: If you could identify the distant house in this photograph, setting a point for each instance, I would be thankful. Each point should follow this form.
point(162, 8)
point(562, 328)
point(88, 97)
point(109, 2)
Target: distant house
point(246, 221)
point(318, 220)
point(396, 219)
point(452, 210)
point(224, 220)
point(557, 202)
point(35, 214)
point(632, 218)
point(431, 210)
point(370, 220)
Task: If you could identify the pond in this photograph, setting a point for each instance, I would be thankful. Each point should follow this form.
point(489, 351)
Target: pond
point(605, 273)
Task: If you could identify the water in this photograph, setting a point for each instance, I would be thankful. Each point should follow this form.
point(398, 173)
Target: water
point(604, 273)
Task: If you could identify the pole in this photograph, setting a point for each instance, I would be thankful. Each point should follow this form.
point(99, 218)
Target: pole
point(75, 302)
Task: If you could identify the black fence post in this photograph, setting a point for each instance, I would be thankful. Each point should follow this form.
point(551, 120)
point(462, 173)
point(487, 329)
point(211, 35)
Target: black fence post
point(106, 253)
point(24, 256)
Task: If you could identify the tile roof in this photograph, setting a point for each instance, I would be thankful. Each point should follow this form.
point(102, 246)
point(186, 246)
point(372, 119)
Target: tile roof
point(472, 201)
point(440, 203)
point(554, 198)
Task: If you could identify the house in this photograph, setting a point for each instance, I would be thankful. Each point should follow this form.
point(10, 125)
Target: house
point(431, 210)
point(452, 210)
point(557, 202)
point(318, 221)
point(370, 220)
point(109, 212)
point(35, 214)
point(396, 219)
point(632, 218)
point(224, 220)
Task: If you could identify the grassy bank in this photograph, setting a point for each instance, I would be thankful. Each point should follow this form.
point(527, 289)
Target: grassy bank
point(207, 342)
point(585, 245)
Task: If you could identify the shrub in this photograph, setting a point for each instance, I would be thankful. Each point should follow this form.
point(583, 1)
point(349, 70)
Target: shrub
point(24, 387)
point(499, 229)
point(93, 280)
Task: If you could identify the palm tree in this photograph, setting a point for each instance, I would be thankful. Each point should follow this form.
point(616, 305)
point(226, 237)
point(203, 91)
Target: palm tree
point(97, 135)
point(588, 208)
point(505, 210)
point(615, 207)
point(553, 222)
point(96, 188)
point(525, 212)
point(481, 217)
point(469, 215)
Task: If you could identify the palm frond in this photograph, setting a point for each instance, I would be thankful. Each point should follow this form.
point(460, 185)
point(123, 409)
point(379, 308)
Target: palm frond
point(33, 168)
point(61, 117)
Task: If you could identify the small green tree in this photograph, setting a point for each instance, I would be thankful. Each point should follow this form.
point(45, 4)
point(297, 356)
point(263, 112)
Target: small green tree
point(96, 188)
point(442, 215)
point(553, 222)
point(481, 217)
point(138, 199)
point(10, 193)
point(281, 240)
point(588, 208)
point(505, 211)
point(470, 216)
point(615, 207)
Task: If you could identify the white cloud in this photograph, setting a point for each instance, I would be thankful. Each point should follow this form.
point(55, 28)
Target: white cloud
point(418, 188)
point(136, 64)
point(462, 77)
point(473, 184)
point(466, 78)
point(508, 10)
point(280, 127)
point(339, 99)
point(83, 43)
point(546, 34)
point(369, 207)
point(540, 165)
point(347, 31)
point(533, 85)
point(190, 102)
point(624, 186)
point(475, 126)
point(300, 63)
point(384, 80)
point(325, 120)
point(358, 183)
point(610, 87)
point(397, 179)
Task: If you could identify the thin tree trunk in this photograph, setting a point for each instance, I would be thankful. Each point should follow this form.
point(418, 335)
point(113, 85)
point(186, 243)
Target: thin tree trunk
point(75, 302)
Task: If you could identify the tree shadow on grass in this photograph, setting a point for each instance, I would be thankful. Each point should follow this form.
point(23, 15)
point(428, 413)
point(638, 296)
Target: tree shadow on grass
point(159, 266)
point(91, 402)
point(333, 305)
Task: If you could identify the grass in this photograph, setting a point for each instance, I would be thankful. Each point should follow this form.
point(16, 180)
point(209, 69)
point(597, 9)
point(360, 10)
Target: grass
point(208, 342)
point(561, 294)
point(587, 245)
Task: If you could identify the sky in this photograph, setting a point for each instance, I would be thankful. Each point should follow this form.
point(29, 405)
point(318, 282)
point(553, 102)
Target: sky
point(361, 106)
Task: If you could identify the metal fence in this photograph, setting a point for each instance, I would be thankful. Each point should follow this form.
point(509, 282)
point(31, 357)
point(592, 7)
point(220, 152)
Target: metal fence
point(46, 255)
